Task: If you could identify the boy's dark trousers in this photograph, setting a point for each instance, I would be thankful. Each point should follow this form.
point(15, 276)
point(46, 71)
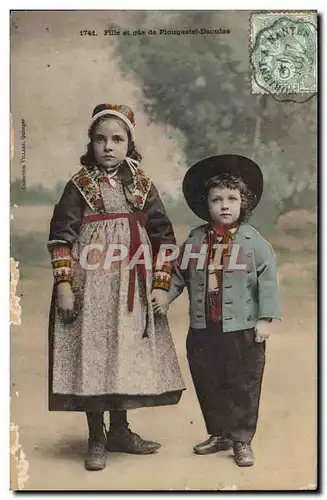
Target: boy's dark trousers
point(227, 370)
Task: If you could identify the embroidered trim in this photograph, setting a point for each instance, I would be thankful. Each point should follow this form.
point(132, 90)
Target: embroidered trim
point(52, 243)
point(166, 268)
point(65, 269)
point(62, 264)
point(63, 272)
point(159, 260)
point(58, 278)
point(161, 280)
point(120, 110)
point(142, 186)
point(60, 252)
point(162, 273)
point(89, 189)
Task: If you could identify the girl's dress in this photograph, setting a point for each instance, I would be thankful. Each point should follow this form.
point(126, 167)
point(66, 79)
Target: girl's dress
point(116, 354)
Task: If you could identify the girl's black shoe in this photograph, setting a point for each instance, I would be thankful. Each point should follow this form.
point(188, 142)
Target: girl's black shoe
point(243, 454)
point(127, 441)
point(96, 455)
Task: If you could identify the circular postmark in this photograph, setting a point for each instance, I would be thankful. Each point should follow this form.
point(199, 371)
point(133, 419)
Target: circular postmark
point(284, 57)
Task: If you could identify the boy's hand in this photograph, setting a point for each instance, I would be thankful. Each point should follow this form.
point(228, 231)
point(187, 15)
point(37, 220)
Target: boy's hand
point(262, 330)
point(160, 301)
point(65, 301)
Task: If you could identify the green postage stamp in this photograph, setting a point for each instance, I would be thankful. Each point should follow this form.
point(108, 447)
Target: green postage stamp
point(283, 52)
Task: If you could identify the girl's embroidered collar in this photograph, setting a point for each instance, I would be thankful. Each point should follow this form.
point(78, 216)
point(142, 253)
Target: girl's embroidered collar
point(89, 187)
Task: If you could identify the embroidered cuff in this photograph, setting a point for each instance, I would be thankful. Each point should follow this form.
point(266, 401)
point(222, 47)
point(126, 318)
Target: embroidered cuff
point(162, 280)
point(62, 264)
point(162, 271)
point(56, 243)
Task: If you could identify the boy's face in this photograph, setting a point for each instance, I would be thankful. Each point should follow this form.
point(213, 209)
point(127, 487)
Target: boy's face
point(224, 205)
point(110, 143)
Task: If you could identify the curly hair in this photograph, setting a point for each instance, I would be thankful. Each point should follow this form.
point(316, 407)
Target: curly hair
point(228, 181)
point(88, 158)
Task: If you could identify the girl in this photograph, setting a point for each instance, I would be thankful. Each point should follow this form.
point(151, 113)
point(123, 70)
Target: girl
point(107, 351)
point(232, 300)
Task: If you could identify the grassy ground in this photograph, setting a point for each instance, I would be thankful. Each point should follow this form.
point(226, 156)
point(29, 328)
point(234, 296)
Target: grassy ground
point(285, 443)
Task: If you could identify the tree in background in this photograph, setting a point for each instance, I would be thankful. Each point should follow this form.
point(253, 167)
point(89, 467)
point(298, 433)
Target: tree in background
point(199, 85)
point(36, 194)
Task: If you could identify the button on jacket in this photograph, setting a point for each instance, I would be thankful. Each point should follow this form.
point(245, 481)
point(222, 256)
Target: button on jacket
point(247, 295)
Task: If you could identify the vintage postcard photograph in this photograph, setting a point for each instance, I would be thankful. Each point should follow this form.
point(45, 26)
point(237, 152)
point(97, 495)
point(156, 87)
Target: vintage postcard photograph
point(163, 254)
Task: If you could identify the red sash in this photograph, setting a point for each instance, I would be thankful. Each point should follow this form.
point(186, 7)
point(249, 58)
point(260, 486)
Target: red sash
point(133, 218)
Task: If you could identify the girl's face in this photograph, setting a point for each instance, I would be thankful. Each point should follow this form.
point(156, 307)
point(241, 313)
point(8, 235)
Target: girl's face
point(224, 205)
point(110, 143)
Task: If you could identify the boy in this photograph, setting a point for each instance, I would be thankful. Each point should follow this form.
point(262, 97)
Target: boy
point(233, 300)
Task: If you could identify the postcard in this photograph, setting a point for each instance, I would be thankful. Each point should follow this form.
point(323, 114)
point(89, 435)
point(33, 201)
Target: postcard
point(163, 199)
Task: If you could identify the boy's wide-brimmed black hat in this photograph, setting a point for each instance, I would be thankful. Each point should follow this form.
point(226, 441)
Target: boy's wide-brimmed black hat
point(197, 176)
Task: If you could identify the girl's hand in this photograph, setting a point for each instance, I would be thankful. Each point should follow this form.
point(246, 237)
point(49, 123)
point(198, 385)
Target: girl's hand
point(65, 302)
point(262, 330)
point(160, 301)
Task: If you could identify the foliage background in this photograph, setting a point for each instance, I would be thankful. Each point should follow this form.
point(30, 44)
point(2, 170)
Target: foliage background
point(192, 96)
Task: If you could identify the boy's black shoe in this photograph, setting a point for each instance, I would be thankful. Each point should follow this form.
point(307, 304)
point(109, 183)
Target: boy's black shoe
point(129, 442)
point(243, 454)
point(96, 455)
point(212, 445)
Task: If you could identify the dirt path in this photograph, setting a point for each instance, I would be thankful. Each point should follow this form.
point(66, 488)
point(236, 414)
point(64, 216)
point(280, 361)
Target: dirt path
point(284, 445)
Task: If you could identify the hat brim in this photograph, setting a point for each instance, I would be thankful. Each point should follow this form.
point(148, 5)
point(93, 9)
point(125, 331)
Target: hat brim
point(194, 183)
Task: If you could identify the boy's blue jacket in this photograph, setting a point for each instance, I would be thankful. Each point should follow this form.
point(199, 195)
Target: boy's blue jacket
point(247, 295)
